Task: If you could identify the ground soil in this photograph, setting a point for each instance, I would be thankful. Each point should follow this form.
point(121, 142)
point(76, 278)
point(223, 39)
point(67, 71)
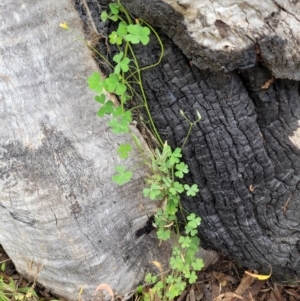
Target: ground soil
point(225, 280)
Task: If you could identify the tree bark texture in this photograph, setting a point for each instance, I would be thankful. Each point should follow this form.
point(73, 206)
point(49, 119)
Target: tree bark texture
point(237, 63)
point(228, 35)
point(62, 220)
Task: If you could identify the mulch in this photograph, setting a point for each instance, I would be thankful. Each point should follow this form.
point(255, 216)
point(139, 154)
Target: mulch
point(225, 280)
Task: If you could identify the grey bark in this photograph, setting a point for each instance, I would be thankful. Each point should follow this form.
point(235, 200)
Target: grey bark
point(62, 220)
point(227, 35)
point(244, 154)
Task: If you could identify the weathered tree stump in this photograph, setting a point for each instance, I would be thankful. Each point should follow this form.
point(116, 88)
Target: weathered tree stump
point(63, 220)
point(237, 63)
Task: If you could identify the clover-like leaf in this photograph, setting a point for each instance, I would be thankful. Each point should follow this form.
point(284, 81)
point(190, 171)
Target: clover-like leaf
point(194, 221)
point(113, 18)
point(181, 169)
point(176, 263)
point(153, 192)
point(176, 251)
point(191, 190)
point(124, 115)
point(119, 126)
point(114, 38)
point(107, 108)
point(122, 29)
point(124, 150)
point(198, 264)
point(122, 64)
point(120, 122)
point(114, 8)
point(174, 157)
point(104, 16)
point(190, 230)
point(96, 83)
point(123, 176)
point(137, 34)
point(113, 85)
point(100, 98)
point(149, 278)
point(176, 188)
point(175, 290)
point(192, 277)
point(163, 234)
point(185, 241)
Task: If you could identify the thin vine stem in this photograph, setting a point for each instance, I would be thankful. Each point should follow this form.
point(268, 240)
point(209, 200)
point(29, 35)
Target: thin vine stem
point(145, 97)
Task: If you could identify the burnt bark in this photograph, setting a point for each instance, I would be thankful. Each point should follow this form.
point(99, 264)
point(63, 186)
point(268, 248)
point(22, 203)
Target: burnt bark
point(244, 154)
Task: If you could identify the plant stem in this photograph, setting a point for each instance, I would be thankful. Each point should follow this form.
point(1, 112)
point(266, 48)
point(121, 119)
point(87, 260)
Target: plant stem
point(144, 97)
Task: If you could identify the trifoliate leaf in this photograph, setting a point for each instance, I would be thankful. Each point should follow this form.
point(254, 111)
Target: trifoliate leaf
point(123, 176)
point(96, 83)
point(107, 108)
point(191, 190)
point(104, 16)
point(124, 150)
point(100, 98)
point(137, 34)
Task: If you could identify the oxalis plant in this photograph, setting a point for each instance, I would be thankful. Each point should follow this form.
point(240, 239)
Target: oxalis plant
point(166, 165)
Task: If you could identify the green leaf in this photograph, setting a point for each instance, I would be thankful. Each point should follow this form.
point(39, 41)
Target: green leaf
point(125, 115)
point(153, 192)
point(114, 38)
point(138, 33)
point(198, 264)
point(190, 231)
point(118, 57)
point(176, 251)
point(139, 289)
point(124, 150)
point(122, 64)
point(175, 290)
point(114, 18)
point(174, 157)
point(191, 190)
point(114, 8)
point(185, 241)
point(123, 176)
point(176, 188)
point(170, 279)
point(192, 277)
point(163, 234)
point(107, 108)
point(104, 16)
point(159, 285)
point(122, 29)
point(95, 82)
point(119, 112)
point(195, 242)
point(100, 98)
point(194, 221)
point(119, 126)
point(171, 208)
point(176, 263)
point(150, 278)
point(113, 85)
point(181, 169)
point(3, 266)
